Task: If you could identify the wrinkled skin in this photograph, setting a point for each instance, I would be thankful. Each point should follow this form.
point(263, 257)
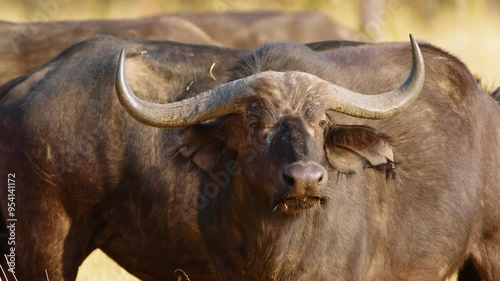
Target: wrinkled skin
point(26, 46)
point(93, 177)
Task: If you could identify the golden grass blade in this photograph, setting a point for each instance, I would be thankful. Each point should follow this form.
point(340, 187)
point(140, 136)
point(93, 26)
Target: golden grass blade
point(181, 275)
point(1, 267)
point(7, 260)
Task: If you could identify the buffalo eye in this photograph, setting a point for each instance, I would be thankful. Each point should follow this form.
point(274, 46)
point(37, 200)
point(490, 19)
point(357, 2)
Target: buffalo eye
point(255, 125)
point(322, 123)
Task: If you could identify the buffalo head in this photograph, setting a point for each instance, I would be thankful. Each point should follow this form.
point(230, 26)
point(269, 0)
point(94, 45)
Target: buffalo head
point(276, 127)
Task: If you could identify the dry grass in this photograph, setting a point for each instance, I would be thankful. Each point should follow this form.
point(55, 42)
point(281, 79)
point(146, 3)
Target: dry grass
point(98, 267)
point(469, 30)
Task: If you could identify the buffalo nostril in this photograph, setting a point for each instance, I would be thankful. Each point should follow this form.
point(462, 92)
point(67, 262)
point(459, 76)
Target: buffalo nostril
point(307, 174)
point(288, 179)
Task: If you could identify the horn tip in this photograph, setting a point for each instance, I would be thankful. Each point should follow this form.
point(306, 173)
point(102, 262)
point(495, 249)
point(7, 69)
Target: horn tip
point(122, 54)
point(415, 47)
point(413, 40)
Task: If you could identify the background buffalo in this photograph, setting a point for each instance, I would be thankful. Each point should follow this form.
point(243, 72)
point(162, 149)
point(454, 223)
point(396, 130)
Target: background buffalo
point(25, 46)
point(252, 29)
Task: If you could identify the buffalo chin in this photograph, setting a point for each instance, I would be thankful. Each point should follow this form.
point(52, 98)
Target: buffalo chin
point(294, 205)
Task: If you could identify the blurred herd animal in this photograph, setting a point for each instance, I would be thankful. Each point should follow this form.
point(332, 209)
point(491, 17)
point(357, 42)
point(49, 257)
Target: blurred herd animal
point(26, 46)
point(251, 29)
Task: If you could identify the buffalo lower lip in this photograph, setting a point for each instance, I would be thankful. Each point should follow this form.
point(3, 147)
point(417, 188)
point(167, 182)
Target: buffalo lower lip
point(293, 205)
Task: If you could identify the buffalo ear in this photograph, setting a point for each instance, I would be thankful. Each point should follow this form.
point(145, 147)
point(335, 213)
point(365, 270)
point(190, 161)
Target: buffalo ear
point(207, 144)
point(202, 145)
point(352, 148)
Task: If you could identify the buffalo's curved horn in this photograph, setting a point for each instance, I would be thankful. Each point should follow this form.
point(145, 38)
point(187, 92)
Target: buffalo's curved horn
point(381, 105)
point(224, 99)
point(205, 106)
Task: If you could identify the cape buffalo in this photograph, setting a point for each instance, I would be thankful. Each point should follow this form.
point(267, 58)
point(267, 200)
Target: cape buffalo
point(252, 29)
point(24, 47)
point(88, 69)
point(344, 198)
point(271, 188)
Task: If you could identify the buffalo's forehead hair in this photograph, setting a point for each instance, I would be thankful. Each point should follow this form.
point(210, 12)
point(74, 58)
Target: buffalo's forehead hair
point(287, 93)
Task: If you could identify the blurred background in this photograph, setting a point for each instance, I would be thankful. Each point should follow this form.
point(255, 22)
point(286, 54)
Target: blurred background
point(466, 28)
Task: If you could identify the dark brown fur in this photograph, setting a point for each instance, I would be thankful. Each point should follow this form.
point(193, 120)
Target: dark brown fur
point(93, 177)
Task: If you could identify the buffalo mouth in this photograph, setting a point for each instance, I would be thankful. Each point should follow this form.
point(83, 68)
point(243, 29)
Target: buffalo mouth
point(296, 204)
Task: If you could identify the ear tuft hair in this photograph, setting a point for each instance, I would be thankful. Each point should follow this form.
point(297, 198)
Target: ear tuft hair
point(352, 148)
